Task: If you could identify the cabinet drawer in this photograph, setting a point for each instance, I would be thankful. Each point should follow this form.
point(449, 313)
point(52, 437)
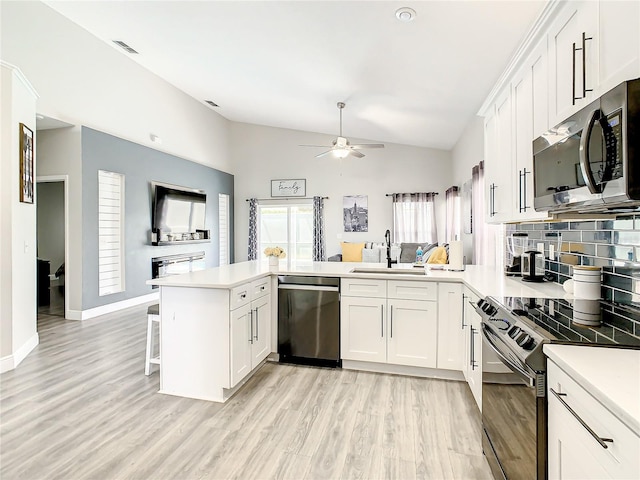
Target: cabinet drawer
point(620, 458)
point(363, 287)
point(240, 295)
point(408, 290)
point(260, 287)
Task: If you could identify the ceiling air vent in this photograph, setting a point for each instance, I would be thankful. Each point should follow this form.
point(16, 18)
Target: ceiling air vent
point(124, 46)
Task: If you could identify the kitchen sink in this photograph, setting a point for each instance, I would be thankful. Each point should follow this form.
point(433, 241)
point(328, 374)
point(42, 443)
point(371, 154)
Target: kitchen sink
point(393, 271)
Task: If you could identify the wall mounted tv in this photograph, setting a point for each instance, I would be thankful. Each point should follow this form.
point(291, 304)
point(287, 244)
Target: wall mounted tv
point(178, 214)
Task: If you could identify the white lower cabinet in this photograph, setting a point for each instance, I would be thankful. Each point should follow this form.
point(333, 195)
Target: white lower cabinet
point(450, 326)
point(397, 331)
point(577, 441)
point(250, 328)
point(472, 346)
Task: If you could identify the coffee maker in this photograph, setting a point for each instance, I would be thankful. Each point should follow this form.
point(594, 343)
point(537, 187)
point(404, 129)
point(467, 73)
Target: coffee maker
point(516, 246)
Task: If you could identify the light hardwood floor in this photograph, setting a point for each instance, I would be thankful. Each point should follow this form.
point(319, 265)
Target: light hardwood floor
point(80, 407)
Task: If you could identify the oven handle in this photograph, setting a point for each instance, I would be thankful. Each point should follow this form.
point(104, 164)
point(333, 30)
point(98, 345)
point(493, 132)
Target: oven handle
point(512, 366)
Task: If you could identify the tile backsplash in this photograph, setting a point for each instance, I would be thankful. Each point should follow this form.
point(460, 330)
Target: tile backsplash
point(613, 244)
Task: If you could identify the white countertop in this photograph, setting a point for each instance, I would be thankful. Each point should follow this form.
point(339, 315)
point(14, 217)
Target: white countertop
point(610, 375)
point(484, 280)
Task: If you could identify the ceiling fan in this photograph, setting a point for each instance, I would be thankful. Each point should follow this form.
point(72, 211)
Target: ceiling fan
point(341, 146)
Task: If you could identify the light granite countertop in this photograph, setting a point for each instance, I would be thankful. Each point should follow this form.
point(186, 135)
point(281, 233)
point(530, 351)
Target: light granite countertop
point(616, 388)
point(484, 280)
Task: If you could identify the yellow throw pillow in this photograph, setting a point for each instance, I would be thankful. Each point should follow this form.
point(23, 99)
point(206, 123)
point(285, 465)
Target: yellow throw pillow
point(439, 255)
point(352, 252)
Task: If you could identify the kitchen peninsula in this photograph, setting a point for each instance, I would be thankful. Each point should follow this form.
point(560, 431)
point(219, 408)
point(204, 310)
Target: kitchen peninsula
point(218, 325)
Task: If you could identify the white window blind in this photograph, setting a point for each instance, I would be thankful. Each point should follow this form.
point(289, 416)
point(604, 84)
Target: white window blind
point(110, 232)
point(223, 227)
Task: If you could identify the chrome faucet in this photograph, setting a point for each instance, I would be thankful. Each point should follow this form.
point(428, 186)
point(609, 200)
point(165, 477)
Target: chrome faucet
point(387, 238)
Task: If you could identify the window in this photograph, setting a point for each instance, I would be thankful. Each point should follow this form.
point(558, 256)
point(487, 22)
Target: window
point(223, 228)
point(110, 232)
point(286, 226)
point(414, 218)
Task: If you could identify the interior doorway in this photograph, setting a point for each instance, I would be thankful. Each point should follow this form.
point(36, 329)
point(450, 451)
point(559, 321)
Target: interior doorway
point(52, 245)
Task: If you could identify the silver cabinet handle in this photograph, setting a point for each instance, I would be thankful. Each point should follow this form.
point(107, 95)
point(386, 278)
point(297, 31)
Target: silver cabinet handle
point(382, 320)
point(256, 335)
point(520, 191)
point(251, 326)
point(598, 438)
point(472, 347)
point(463, 300)
point(391, 329)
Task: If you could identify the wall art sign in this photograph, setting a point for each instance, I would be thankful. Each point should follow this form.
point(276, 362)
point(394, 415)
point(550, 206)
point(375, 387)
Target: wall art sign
point(355, 213)
point(26, 164)
point(289, 188)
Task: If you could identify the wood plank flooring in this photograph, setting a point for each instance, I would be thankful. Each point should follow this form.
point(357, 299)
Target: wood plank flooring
point(80, 407)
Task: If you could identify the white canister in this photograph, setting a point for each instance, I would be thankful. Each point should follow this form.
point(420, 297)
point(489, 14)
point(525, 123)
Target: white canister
point(586, 282)
point(586, 312)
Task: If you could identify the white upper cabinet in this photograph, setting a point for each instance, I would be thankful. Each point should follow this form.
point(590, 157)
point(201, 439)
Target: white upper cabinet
point(577, 51)
point(573, 52)
point(529, 97)
point(618, 43)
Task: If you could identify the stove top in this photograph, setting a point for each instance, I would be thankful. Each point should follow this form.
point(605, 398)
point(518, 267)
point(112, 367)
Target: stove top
point(523, 325)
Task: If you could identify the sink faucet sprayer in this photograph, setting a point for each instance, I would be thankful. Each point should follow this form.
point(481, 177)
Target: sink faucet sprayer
point(387, 238)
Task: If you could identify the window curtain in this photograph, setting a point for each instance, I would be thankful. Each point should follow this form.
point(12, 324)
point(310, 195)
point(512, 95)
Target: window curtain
point(319, 251)
point(252, 251)
point(414, 218)
point(452, 227)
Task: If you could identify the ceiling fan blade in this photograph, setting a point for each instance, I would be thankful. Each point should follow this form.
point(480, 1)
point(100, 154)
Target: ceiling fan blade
point(367, 145)
point(319, 146)
point(324, 153)
point(356, 153)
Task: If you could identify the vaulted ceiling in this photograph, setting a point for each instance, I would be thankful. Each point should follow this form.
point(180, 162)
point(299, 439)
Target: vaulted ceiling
point(287, 63)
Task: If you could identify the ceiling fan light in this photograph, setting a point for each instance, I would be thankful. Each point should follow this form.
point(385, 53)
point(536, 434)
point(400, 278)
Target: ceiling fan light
point(341, 152)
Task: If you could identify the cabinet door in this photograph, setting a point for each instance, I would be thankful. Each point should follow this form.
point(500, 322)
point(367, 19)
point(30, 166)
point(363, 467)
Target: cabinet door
point(567, 68)
point(363, 329)
point(450, 330)
point(530, 112)
point(412, 338)
point(260, 330)
point(240, 343)
point(619, 42)
point(475, 357)
point(490, 162)
point(500, 164)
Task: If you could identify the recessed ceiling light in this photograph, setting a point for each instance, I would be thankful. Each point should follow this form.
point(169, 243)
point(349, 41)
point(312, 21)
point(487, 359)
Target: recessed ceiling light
point(405, 14)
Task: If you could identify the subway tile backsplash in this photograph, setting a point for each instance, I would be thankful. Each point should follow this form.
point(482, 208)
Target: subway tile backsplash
point(612, 244)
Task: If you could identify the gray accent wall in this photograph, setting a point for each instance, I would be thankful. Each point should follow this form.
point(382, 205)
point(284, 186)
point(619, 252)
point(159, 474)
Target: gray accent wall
point(140, 166)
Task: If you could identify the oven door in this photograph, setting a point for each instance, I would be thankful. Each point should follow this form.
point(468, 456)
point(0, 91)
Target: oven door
point(513, 415)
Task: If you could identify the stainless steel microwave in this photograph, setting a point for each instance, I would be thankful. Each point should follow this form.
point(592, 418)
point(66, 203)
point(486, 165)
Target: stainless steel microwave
point(591, 161)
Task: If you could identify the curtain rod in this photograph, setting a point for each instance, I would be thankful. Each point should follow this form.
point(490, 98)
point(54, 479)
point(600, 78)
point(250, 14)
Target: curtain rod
point(412, 193)
point(285, 198)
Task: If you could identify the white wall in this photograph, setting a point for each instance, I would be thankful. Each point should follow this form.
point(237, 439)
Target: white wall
point(261, 154)
point(17, 225)
point(84, 81)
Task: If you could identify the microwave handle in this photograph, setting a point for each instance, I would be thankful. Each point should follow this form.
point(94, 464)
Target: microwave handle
point(585, 165)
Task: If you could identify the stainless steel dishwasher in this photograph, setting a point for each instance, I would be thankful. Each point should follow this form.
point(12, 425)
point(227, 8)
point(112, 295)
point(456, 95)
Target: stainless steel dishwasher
point(309, 320)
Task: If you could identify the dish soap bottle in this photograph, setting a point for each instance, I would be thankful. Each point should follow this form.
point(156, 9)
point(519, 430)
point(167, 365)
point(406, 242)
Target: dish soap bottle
point(419, 254)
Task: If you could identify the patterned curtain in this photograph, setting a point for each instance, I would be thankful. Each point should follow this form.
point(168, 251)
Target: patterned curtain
point(414, 217)
point(319, 251)
point(253, 229)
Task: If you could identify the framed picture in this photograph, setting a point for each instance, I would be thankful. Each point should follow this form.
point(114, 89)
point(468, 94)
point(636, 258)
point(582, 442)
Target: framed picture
point(289, 188)
point(355, 213)
point(27, 186)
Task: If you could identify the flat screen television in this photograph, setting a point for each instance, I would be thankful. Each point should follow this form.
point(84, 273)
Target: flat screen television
point(177, 211)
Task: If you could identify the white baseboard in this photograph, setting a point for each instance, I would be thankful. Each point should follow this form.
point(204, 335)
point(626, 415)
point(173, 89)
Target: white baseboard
point(12, 361)
point(111, 307)
point(403, 370)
